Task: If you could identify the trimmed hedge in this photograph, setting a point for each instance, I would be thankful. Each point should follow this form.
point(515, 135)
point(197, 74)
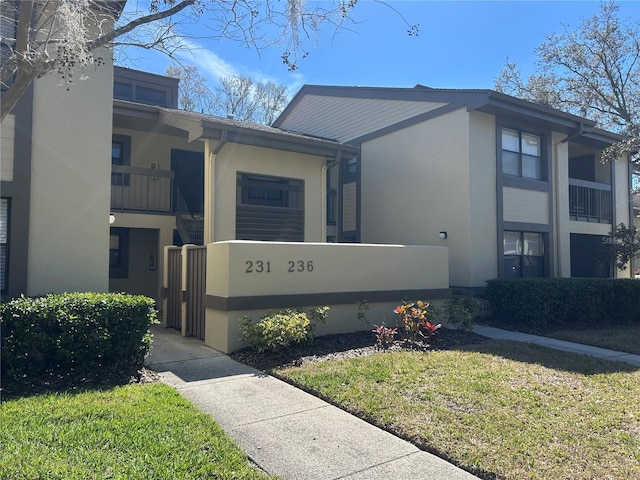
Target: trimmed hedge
point(74, 331)
point(541, 304)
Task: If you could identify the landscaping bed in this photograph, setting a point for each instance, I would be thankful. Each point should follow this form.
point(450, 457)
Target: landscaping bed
point(346, 345)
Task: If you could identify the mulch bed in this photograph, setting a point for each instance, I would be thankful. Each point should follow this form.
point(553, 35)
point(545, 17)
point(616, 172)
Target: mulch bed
point(346, 345)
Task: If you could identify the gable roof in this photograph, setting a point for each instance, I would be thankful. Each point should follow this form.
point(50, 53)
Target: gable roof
point(324, 109)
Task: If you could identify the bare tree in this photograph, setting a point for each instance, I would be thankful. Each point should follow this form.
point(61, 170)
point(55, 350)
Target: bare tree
point(592, 71)
point(41, 37)
point(235, 96)
point(193, 94)
point(271, 98)
point(245, 99)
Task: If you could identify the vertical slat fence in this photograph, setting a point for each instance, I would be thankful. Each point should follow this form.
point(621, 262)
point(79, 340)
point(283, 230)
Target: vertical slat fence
point(196, 258)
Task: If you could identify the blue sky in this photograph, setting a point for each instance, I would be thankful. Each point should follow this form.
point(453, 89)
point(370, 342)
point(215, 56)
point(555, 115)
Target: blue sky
point(461, 44)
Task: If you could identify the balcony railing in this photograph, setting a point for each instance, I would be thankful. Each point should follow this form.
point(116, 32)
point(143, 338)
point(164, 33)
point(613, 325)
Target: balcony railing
point(589, 201)
point(141, 190)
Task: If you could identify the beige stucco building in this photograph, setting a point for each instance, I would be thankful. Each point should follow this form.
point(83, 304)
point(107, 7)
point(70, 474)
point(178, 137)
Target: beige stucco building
point(514, 189)
point(54, 149)
point(185, 178)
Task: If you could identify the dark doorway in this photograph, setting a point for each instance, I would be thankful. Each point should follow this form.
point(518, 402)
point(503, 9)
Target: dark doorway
point(189, 180)
point(587, 256)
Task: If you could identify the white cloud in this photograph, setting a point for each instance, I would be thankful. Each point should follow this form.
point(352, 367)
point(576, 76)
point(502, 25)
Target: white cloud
point(212, 66)
point(209, 64)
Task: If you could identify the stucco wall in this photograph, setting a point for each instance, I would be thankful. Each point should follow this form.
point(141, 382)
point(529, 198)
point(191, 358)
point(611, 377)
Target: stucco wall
point(234, 158)
point(252, 271)
point(149, 147)
point(483, 248)
point(559, 175)
point(69, 217)
point(622, 207)
point(416, 183)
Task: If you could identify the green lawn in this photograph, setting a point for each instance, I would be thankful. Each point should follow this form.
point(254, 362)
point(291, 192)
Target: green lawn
point(623, 339)
point(128, 432)
point(508, 409)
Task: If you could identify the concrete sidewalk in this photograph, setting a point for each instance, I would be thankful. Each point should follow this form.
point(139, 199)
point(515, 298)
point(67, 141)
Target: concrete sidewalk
point(558, 344)
point(284, 430)
point(297, 436)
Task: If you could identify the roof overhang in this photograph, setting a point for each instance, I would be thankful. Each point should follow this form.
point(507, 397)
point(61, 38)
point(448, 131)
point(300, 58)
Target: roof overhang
point(201, 127)
point(195, 127)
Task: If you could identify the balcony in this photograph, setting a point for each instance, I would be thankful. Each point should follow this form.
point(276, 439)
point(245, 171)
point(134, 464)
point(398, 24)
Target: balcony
point(141, 190)
point(589, 201)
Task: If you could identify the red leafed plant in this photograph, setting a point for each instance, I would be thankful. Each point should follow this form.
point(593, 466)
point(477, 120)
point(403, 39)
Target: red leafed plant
point(384, 336)
point(413, 317)
point(430, 328)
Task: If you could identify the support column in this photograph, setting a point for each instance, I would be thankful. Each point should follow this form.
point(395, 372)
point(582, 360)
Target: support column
point(209, 193)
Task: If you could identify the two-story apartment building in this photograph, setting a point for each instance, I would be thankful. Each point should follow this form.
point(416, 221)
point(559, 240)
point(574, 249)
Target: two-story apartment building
point(74, 220)
point(514, 189)
point(186, 178)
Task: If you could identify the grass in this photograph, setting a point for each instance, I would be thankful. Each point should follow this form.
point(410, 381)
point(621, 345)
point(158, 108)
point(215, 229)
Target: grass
point(128, 432)
point(498, 409)
point(622, 339)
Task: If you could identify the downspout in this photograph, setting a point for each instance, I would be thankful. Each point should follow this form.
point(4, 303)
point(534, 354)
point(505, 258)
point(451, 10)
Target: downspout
point(330, 163)
point(575, 135)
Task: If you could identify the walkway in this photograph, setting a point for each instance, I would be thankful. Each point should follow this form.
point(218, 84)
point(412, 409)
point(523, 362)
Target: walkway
point(284, 430)
point(558, 344)
point(295, 435)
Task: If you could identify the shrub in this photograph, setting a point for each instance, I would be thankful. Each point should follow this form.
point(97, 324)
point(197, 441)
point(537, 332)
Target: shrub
point(74, 330)
point(413, 317)
point(538, 304)
point(384, 336)
point(459, 311)
point(285, 327)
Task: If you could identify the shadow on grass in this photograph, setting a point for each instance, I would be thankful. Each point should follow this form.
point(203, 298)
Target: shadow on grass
point(74, 381)
point(548, 357)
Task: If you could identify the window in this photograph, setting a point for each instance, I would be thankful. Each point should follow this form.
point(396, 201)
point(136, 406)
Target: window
point(352, 165)
point(119, 253)
point(151, 96)
point(270, 191)
point(4, 243)
point(123, 91)
point(120, 155)
point(269, 208)
point(523, 254)
point(144, 87)
point(522, 154)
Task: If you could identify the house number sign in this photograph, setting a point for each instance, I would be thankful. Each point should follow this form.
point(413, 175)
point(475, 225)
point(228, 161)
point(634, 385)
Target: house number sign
point(291, 266)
